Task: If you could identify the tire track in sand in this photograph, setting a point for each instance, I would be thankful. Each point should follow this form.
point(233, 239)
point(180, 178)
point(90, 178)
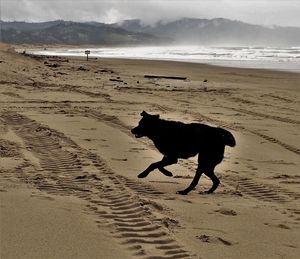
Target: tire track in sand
point(283, 200)
point(265, 116)
point(247, 186)
point(67, 169)
point(273, 140)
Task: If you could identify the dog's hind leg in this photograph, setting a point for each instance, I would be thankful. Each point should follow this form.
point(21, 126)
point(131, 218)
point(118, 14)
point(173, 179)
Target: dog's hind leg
point(206, 165)
point(195, 181)
point(159, 165)
point(210, 160)
point(210, 173)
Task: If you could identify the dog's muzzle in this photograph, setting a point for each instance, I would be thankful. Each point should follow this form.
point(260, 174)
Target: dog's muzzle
point(136, 134)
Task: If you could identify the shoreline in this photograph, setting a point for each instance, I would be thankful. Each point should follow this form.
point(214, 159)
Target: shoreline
point(162, 61)
point(212, 64)
point(286, 66)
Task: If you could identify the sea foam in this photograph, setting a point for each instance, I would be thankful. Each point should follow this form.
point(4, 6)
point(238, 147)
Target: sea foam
point(250, 57)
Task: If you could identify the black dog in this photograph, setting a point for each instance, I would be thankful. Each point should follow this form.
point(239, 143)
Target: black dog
point(179, 140)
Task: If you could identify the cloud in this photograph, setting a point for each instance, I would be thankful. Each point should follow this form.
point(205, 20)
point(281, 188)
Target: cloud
point(253, 11)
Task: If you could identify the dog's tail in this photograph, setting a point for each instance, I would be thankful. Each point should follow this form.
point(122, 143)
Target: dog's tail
point(227, 136)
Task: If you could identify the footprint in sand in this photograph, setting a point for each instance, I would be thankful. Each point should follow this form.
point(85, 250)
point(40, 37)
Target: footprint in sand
point(226, 212)
point(214, 240)
point(281, 225)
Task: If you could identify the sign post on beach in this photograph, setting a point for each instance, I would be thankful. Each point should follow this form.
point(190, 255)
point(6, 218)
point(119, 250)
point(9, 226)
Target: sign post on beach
point(87, 52)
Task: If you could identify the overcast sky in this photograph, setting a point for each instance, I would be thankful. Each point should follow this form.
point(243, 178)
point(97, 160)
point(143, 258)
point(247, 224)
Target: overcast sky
point(266, 12)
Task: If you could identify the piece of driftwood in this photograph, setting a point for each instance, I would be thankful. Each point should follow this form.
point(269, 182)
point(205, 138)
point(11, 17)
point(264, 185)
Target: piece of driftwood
point(166, 77)
point(115, 80)
point(51, 64)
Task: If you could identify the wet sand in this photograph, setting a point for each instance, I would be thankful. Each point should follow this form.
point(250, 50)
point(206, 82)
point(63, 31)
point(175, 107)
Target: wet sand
point(69, 164)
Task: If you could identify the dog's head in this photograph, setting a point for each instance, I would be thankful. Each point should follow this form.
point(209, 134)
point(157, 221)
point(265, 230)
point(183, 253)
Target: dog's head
point(146, 125)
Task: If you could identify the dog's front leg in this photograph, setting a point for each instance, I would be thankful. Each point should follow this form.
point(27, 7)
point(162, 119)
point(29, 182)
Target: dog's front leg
point(149, 169)
point(165, 171)
point(193, 183)
point(159, 165)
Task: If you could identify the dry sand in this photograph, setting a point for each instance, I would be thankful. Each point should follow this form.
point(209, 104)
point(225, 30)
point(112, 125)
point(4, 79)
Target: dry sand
point(68, 163)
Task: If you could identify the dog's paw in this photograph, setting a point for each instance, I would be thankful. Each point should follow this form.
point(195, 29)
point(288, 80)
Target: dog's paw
point(182, 192)
point(210, 191)
point(143, 175)
point(168, 173)
point(203, 192)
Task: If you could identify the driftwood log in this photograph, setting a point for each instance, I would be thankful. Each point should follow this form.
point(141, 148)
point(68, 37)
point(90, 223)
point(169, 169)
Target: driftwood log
point(115, 80)
point(166, 77)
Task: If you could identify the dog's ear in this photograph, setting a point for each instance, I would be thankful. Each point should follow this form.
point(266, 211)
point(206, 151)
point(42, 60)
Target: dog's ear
point(144, 113)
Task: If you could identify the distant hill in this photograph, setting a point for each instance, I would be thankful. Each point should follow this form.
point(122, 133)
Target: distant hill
point(184, 31)
point(61, 32)
point(218, 32)
point(25, 26)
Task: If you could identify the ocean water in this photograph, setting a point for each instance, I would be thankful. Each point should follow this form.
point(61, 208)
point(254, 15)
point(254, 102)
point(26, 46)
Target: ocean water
point(248, 57)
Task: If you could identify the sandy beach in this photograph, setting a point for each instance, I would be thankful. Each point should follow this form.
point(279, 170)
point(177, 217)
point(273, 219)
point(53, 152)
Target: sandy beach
point(69, 163)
